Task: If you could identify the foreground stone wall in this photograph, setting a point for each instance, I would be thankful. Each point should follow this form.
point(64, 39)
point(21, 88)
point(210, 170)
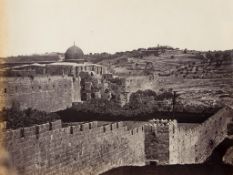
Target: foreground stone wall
point(93, 148)
point(43, 93)
point(195, 145)
point(80, 149)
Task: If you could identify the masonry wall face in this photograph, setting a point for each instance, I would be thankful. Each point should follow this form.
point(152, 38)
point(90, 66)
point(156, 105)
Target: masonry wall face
point(157, 143)
point(76, 89)
point(82, 149)
point(92, 149)
point(42, 93)
point(188, 146)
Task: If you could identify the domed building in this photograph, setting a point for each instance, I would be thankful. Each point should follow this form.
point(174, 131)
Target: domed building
point(74, 54)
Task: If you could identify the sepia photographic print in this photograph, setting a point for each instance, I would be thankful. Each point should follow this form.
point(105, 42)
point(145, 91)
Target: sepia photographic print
point(116, 87)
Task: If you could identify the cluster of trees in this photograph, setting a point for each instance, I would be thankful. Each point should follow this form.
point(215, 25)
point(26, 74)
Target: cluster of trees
point(142, 104)
point(17, 118)
point(97, 57)
point(149, 99)
point(218, 55)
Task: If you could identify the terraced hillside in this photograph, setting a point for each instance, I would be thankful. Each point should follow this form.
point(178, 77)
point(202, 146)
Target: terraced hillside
point(200, 78)
point(155, 60)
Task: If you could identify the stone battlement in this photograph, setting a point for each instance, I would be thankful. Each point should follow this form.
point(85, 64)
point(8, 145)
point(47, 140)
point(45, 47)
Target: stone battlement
point(92, 147)
point(84, 128)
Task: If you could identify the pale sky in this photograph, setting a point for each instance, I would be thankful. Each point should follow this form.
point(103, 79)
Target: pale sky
point(39, 26)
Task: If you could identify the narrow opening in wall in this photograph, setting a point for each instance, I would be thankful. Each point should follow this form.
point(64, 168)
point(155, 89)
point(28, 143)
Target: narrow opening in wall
point(50, 126)
point(22, 132)
point(101, 71)
point(89, 125)
point(111, 127)
point(104, 129)
point(71, 130)
point(37, 132)
point(5, 90)
point(93, 95)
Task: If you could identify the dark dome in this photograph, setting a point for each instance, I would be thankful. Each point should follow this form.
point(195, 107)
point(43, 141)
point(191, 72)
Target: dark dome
point(74, 53)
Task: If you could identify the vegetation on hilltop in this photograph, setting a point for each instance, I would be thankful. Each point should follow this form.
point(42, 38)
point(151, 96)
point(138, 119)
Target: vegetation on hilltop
point(139, 53)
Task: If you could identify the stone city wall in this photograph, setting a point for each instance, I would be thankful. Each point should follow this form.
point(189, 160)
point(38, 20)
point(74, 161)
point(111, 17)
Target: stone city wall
point(59, 68)
point(80, 149)
point(43, 93)
point(91, 148)
point(195, 145)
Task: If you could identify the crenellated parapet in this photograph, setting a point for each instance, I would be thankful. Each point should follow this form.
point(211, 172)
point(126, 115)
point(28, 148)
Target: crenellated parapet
point(81, 148)
point(95, 147)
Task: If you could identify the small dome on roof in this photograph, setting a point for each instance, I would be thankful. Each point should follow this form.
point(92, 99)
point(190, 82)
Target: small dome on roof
point(74, 53)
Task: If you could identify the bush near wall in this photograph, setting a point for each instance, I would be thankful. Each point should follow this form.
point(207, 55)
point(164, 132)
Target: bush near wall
point(16, 118)
point(143, 105)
